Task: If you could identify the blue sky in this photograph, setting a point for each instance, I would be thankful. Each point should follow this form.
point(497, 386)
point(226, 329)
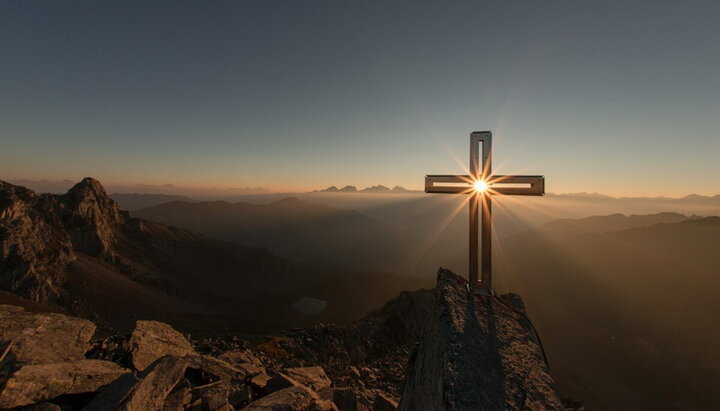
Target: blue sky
point(616, 97)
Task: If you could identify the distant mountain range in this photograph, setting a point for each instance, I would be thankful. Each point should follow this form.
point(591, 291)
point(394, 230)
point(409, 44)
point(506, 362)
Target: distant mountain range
point(61, 186)
point(135, 201)
point(81, 253)
point(373, 189)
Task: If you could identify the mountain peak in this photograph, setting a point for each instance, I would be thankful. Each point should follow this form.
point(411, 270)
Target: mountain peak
point(377, 189)
point(88, 186)
point(92, 216)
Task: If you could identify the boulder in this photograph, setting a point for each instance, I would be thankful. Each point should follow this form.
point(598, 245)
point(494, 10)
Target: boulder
point(151, 340)
point(41, 406)
point(35, 383)
point(245, 361)
point(312, 377)
point(289, 399)
point(147, 391)
point(383, 402)
point(348, 399)
point(175, 383)
point(259, 382)
point(216, 370)
point(278, 382)
point(44, 338)
point(241, 357)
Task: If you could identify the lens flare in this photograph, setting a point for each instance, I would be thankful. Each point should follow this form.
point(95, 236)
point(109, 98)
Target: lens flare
point(480, 186)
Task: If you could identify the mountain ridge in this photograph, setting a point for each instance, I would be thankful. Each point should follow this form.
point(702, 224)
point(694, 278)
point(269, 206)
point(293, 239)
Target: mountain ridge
point(80, 251)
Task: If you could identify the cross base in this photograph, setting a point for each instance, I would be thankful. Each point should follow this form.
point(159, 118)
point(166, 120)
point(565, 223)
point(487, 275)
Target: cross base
point(481, 291)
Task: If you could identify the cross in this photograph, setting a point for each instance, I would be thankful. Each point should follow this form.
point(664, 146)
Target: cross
point(482, 185)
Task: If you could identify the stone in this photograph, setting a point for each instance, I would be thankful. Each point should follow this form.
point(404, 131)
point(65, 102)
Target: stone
point(147, 391)
point(240, 396)
point(384, 403)
point(151, 340)
point(347, 399)
point(216, 369)
point(41, 406)
point(44, 338)
point(312, 377)
point(245, 361)
point(35, 383)
point(241, 357)
point(178, 399)
point(260, 381)
point(291, 398)
point(112, 396)
point(280, 381)
point(216, 397)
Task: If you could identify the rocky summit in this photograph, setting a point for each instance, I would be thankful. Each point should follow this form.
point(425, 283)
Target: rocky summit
point(426, 350)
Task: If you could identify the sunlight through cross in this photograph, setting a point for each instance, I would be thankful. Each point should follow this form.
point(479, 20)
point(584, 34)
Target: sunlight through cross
point(481, 184)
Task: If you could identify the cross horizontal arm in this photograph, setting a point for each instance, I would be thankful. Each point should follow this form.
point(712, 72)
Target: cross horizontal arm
point(498, 184)
point(448, 184)
point(517, 185)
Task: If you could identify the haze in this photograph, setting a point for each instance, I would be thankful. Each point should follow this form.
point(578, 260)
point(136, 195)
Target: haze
point(614, 97)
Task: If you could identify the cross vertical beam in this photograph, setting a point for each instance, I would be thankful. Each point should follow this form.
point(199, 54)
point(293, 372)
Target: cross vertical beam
point(480, 206)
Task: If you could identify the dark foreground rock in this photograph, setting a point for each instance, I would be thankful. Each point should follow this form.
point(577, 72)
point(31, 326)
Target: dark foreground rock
point(479, 353)
point(425, 350)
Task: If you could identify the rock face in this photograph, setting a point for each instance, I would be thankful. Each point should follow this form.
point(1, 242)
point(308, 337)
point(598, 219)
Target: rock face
point(92, 218)
point(33, 244)
point(39, 234)
point(478, 352)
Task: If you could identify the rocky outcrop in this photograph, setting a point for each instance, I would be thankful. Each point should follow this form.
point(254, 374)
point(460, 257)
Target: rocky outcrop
point(91, 218)
point(34, 246)
point(478, 352)
point(39, 235)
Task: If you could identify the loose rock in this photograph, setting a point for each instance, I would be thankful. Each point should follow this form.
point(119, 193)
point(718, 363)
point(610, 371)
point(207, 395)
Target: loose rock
point(35, 383)
point(152, 339)
point(44, 338)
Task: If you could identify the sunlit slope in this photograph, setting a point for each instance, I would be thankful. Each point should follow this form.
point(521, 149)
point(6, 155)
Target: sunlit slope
point(624, 315)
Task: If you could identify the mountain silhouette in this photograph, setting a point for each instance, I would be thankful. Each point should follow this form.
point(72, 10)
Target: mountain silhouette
point(291, 228)
point(137, 201)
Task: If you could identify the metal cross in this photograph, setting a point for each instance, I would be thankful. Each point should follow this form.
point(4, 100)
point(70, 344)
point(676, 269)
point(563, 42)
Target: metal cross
point(482, 185)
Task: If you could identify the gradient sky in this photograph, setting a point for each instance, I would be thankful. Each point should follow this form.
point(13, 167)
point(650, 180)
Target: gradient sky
point(616, 97)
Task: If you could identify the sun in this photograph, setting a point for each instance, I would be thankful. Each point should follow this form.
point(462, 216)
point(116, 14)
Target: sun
point(480, 186)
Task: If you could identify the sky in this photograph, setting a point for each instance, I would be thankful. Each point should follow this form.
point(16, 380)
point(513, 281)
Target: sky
point(619, 97)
